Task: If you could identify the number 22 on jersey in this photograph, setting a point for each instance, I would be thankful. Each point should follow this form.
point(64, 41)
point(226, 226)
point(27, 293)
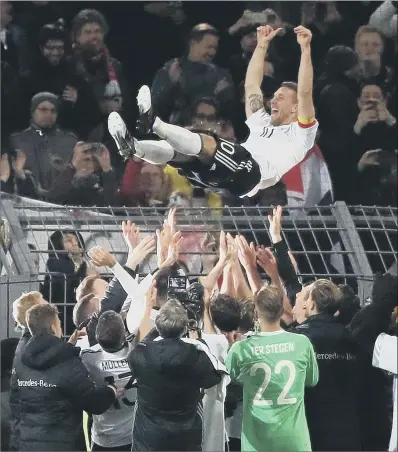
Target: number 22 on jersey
point(282, 399)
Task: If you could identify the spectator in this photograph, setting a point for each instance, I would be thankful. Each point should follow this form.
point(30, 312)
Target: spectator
point(369, 45)
point(5, 173)
point(182, 80)
point(144, 185)
point(153, 185)
point(336, 93)
point(91, 171)
point(93, 61)
point(14, 178)
point(169, 21)
point(53, 73)
point(245, 30)
point(377, 179)
point(107, 361)
point(32, 16)
point(375, 127)
point(170, 374)
point(329, 28)
point(66, 267)
point(332, 406)
point(43, 150)
point(54, 386)
point(374, 155)
point(204, 110)
point(13, 41)
point(205, 117)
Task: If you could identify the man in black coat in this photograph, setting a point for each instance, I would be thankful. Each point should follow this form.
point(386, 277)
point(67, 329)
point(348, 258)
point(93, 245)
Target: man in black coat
point(171, 374)
point(8, 347)
point(332, 406)
point(20, 307)
point(54, 386)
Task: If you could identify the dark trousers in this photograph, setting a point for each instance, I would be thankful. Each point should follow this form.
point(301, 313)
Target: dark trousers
point(125, 448)
point(234, 445)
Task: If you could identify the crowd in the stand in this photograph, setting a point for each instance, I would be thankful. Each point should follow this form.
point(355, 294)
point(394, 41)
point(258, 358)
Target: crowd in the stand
point(242, 358)
point(61, 80)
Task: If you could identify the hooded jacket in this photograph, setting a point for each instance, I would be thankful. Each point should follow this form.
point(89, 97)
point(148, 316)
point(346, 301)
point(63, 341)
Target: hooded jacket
point(170, 374)
point(54, 389)
point(60, 284)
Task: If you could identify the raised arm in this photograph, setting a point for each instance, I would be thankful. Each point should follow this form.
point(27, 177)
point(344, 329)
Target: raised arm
point(306, 110)
point(255, 70)
point(248, 259)
point(242, 289)
point(210, 281)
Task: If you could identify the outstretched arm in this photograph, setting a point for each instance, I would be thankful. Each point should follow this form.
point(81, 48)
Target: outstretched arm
point(255, 70)
point(306, 110)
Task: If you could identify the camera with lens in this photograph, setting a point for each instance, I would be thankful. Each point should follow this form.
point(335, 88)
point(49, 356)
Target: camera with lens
point(190, 295)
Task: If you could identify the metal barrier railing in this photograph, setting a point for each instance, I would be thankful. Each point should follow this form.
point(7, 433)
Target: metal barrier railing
point(344, 243)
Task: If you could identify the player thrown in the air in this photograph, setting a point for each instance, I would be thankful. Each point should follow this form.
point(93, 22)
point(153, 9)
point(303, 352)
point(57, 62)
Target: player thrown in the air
point(277, 142)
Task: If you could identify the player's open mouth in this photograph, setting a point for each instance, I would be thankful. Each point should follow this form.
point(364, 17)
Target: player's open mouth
point(274, 110)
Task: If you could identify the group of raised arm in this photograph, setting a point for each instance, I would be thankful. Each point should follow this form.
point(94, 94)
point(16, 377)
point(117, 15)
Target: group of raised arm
point(237, 263)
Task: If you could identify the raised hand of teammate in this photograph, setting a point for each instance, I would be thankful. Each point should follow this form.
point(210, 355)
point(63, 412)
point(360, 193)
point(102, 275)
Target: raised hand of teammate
point(293, 261)
point(163, 241)
point(150, 297)
point(208, 247)
point(265, 34)
point(246, 253)
point(223, 249)
point(76, 335)
point(173, 251)
point(145, 247)
point(266, 260)
point(232, 248)
point(275, 228)
point(101, 257)
point(304, 36)
point(131, 234)
point(171, 220)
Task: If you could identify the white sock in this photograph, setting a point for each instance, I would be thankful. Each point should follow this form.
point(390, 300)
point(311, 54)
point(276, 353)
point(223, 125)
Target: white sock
point(182, 140)
point(156, 152)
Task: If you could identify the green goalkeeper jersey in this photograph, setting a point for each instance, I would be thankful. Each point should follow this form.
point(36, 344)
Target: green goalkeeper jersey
point(274, 368)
